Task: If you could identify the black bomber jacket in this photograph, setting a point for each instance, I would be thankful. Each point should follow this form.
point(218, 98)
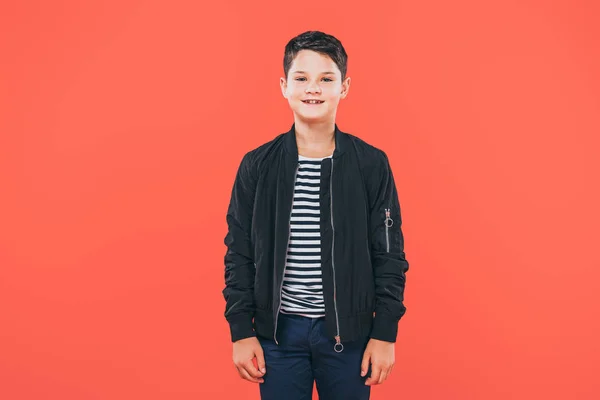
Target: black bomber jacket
point(362, 245)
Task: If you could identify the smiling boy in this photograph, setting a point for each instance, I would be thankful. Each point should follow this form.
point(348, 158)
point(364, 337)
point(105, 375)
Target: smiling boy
point(315, 265)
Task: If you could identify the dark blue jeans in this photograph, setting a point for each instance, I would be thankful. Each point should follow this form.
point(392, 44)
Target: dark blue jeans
point(305, 355)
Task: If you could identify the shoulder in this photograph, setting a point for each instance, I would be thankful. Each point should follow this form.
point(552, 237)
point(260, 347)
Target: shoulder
point(370, 157)
point(255, 158)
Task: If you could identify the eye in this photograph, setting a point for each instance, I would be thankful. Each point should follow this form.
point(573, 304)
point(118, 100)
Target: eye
point(328, 79)
point(300, 79)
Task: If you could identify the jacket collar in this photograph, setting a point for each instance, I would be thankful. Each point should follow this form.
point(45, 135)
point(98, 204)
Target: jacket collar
point(341, 142)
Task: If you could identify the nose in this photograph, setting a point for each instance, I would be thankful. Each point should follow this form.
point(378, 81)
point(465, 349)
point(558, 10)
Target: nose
point(313, 88)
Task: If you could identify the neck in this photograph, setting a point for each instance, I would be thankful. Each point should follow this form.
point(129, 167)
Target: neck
point(317, 136)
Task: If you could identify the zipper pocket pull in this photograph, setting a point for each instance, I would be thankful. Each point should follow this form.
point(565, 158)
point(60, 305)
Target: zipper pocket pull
point(388, 221)
point(338, 346)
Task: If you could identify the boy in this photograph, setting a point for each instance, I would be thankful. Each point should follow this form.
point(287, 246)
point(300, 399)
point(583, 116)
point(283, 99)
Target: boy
point(315, 265)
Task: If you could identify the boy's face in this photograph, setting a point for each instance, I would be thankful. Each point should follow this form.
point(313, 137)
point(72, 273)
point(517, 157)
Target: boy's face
point(314, 75)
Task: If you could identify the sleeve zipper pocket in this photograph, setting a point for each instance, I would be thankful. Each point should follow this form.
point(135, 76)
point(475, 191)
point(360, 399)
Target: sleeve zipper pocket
point(388, 223)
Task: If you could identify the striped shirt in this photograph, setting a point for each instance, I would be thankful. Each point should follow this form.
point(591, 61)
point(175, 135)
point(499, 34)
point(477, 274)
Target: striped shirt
point(302, 291)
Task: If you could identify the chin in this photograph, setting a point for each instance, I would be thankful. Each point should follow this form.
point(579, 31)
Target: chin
point(312, 118)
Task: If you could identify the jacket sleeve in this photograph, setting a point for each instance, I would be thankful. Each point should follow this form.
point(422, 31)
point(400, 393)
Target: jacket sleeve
point(387, 252)
point(239, 258)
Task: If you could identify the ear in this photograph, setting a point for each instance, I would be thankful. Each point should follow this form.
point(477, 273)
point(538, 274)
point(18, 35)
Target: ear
point(283, 85)
point(345, 88)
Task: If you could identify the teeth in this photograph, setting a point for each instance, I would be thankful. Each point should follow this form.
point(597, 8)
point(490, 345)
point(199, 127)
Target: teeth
point(313, 101)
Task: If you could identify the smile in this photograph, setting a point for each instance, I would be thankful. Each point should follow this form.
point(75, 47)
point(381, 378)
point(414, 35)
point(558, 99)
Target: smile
point(312, 101)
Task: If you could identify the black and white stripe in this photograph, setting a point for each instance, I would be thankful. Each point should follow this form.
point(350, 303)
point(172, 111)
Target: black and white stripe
point(302, 292)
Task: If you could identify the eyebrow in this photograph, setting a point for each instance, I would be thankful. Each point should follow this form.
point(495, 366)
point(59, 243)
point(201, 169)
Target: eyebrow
point(324, 73)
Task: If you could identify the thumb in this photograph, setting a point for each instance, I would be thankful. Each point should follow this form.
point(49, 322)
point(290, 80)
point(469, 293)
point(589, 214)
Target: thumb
point(364, 366)
point(260, 360)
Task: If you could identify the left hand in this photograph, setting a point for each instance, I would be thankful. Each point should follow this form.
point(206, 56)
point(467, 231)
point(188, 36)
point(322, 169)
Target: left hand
point(381, 356)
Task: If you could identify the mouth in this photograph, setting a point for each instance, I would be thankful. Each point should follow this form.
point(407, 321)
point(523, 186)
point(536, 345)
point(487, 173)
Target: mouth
point(313, 101)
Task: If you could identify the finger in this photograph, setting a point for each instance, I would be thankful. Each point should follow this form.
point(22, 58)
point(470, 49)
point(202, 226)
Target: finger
point(239, 372)
point(245, 375)
point(364, 365)
point(375, 374)
point(260, 360)
point(251, 369)
point(383, 377)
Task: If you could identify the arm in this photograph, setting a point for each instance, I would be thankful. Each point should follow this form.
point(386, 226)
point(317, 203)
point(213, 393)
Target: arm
point(239, 258)
point(387, 253)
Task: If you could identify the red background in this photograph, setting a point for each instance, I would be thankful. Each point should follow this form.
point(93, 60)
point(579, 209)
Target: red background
point(122, 124)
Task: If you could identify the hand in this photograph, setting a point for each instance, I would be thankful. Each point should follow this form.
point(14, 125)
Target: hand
point(381, 356)
point(244, 352)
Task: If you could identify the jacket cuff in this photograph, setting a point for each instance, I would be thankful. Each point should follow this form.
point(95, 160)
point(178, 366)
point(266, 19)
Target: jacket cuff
point(241, 327)
point(384, 328)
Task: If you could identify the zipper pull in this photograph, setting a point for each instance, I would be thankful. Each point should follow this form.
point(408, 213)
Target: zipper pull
point(338, 346)
point(388, 221)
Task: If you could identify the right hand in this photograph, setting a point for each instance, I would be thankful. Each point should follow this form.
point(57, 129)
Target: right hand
point(244, 351)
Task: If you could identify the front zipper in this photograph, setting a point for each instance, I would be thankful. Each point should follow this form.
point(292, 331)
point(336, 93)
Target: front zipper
point(285, 262)
point(338, 347)
point(388, 222)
